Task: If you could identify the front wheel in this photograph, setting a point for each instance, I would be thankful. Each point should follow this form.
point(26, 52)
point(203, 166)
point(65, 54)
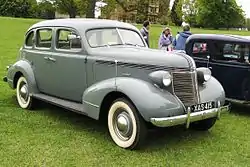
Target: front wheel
point(126, 127)
point(204, 124)
point(24, 99)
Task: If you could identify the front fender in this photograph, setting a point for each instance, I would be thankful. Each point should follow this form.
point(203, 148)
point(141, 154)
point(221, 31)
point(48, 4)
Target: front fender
point(148, 99)
point(212, 91)
point(25, 68)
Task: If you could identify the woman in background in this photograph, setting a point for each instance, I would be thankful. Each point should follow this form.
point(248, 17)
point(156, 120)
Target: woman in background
point(165, 40)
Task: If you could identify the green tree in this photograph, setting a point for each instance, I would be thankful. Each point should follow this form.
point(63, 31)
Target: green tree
point(248, 24)
point(17, 8)
point(176, 12)
point(90, 10)
point(190, 12)
point(219, 14)
point(71, 7)
point(45, 10)
point(163, 15)
point(109, 8)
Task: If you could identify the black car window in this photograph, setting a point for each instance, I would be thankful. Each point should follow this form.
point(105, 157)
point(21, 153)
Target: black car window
point(232, 52)
point(200, 50)
point(29, 39)
point(67, 39)
point(44, 38)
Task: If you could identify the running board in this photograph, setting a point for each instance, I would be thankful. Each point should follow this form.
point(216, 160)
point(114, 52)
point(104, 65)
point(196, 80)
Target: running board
point(73, 106)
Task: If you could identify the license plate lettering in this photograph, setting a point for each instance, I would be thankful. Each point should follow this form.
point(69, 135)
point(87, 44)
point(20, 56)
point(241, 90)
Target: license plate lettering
point(202, 107)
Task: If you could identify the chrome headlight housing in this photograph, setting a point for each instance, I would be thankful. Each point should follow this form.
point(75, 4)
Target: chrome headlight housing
point(167, 79)
point(207, 74)
point(161, 78)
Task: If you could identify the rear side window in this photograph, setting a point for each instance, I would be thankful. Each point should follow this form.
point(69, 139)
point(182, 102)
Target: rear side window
point(68, 40)
point(44, 38)
point(200, 49)
point(29, 39)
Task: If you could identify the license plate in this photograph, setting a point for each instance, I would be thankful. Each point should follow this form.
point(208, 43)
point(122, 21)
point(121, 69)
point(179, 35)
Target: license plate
point(202, 106)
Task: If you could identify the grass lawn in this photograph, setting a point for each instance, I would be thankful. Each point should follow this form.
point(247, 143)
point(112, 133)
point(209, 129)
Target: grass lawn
point(54, 137)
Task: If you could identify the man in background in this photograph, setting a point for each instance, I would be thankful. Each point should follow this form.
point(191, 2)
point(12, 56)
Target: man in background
point(179, 42)
point(145, 31)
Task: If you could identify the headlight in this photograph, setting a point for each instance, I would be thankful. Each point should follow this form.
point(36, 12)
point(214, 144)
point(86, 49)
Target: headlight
point(206, 72)
point(161, 78)
point(167, 79)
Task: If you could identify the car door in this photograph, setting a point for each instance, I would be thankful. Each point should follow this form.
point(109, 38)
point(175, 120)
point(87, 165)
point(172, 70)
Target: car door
point(200, 51)
point(230, 65)
point(68, 69)
point(37, 50)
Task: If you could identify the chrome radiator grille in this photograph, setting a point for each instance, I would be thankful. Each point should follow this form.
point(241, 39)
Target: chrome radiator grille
point(185, 87)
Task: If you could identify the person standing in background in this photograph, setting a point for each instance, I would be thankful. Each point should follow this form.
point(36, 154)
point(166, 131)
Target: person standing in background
point(179, 42)
point(145, 31)
point(165, 40)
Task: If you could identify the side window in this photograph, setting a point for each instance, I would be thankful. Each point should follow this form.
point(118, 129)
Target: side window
point(44, 38)
point(200, 49)
point(29, 39)
point(67, 39)
point(232, 52)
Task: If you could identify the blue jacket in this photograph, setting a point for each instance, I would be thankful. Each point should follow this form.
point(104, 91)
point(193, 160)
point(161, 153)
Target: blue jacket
point(179, 42)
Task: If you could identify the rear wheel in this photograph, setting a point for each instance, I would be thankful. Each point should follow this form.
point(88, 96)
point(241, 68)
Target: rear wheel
point(24, 99)
point(126, 127)
point(204, 124)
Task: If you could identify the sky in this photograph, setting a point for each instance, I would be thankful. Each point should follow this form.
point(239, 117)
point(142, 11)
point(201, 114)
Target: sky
point(244, 3)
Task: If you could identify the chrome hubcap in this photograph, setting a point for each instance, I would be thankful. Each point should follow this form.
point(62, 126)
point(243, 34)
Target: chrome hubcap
point(24, 94)
point(123, 125)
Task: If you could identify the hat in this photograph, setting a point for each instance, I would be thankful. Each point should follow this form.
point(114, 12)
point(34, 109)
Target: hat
point(165, 29)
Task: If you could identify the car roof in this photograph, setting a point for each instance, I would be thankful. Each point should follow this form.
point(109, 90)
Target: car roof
point(220, 37)
point(82, 23)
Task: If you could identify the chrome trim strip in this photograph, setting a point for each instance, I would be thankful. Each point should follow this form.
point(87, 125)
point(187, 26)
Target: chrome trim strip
point(94, 105)
point(188, 118)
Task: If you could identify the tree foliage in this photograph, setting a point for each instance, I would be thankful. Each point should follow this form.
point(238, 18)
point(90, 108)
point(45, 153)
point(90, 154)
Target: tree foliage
point(17, 8)
point(46, 10)
point(90, 10)
point(219, 14)
point(190, 12)
point(176, 12)
point(109, 8)
point(248, 24)
point(70, 7)
point(163, 15)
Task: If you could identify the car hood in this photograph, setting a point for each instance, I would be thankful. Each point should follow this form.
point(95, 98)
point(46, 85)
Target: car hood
point(138, 55)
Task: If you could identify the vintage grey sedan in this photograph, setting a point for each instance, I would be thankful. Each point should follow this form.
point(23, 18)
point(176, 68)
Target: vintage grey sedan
point(104, 69)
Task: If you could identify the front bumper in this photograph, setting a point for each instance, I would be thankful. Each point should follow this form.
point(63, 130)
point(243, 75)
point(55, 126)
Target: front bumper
point(189, 117)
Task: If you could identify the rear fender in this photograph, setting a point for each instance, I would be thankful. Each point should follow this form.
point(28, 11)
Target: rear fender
point(23, 67)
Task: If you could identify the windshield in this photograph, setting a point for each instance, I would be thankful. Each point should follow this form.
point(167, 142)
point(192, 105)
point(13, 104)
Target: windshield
point(113, 36)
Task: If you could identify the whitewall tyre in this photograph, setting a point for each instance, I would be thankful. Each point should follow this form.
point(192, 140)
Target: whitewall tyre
point(126, 127)
point(22, 92)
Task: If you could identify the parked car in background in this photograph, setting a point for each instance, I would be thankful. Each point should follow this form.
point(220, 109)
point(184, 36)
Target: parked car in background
point(104, 69)
point(228, 58)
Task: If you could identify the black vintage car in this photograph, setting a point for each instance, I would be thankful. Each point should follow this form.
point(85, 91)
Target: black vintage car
point(228, 58)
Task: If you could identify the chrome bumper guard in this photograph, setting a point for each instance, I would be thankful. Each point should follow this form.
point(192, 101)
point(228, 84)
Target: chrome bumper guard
point(5, 79)
point(189, 117)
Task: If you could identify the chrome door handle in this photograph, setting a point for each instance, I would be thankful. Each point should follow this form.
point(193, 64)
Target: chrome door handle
point(46, 58)
point(210, 68)
point(52, 59)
